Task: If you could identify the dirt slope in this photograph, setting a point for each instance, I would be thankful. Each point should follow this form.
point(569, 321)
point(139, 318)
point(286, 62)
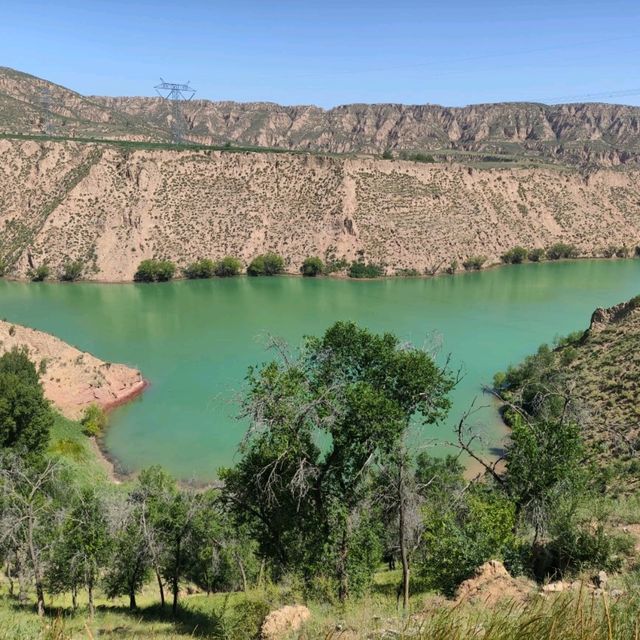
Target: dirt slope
point(111, 208)
point(72, 379)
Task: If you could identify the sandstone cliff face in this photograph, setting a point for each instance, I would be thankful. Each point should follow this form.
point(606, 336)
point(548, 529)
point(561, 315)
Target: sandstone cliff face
point(584, 134)
point(111, 208)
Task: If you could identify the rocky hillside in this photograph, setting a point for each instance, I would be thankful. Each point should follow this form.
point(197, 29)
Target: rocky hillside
point(585, 134)
point(110, 207)
point(72, 379)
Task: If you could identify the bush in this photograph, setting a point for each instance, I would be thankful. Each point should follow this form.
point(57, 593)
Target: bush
point(387, 154)
point(153, 270)
point(203, 268)
point(407, 273)
point(515, 255)
point(536, 255)
point(474, 263)
point(268, 264)
point(40, 273)
point(312, 267)
point(71, 271)
point(228, 267)
point(359, 269)
point(4, 265)
point(561, 250)
point(94, 420)
point(334, 265)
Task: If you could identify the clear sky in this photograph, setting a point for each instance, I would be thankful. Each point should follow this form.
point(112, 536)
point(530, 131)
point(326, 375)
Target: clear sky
point(332, 52)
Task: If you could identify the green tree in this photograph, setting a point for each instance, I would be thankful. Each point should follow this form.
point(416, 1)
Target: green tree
point(360, 269)
point(25, 415)
point(228, 267)
point(268, 264)
point(94, 420)
point(312, 267)
point(200, 269)
point(72, 271)
point(40, 273)
point(152, 270)
point(357, 392)
point(515, 255)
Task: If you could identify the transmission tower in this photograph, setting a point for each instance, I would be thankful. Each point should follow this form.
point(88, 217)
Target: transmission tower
point(45, 105)
point(176, 94)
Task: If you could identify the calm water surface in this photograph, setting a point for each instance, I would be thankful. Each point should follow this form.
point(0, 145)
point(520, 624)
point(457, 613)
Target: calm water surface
point(194, 340)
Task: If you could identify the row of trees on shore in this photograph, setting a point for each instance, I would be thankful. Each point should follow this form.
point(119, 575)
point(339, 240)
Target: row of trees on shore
point(328, 483)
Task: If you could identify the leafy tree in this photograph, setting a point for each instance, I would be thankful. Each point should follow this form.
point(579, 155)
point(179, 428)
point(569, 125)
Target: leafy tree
point(165, 270)
point(515, 255)
point(228, 267)
point(72, 271)
point(268, 264)
point(312, 267)
point(354, 390)
point(387, 154)
point(94, 420)
point(83, 546)
point(203, 268)
point(474, 263)
point(153, 270)
point(359, 269)
point(561, 250)
point(40, 273)
point(25, 415)
point(129, 566)
point(536, 255)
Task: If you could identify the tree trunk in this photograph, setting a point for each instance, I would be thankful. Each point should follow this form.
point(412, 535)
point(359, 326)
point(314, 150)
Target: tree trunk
point(343, 574)
point(404, 558)
point(74, 597)
point(132, 598)
point(160, 587)
point(36, 571)
point(90, 593)
point(176, 579)
point(243, 573)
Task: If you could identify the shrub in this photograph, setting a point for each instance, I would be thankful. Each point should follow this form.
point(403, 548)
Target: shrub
point(387, 154)
point(40, 273)
point(515, 255)
point(268, 264)
point(536, 255)
point(4, 265)
point(452, 268)
point(407, 273)
point(312, 267)
point(71, 271)
point(359, 269)
point(561, 250)
point(228, 267)
point(153, 270)
point(94, 420)
point(203, 268)
point(474, 263)
point(623, 252)
point(333, 265)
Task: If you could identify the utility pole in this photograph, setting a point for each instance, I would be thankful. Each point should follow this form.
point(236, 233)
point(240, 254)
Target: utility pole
point(176, 94)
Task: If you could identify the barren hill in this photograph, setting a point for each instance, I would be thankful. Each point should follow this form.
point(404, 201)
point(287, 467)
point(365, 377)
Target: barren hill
point(585, 134)
point(110, 207)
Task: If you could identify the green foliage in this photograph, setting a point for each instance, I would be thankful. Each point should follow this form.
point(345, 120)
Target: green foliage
point(72, 271)
point(312, 267)
point(515, 255)
point(387, 154)
point(463, 534)
point(41, 273)
point(228, 267)
point(153, 270)
point(25, 416)
point(474, 263)
point(4, 266)
point(360, 269)
point(561, 250)
point(407, 273)
point(417, 157)
point(94, 420)
point(536, 255)
point(268, 264)
point(203, 268)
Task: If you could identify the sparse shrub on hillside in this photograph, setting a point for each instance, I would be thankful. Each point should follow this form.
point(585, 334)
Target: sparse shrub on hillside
point(94, 420)
point(4, 265)
point(336, 265)
point(312, 267)
point(387, 154)
point(536, 255)
point(228, 267)
point(623, 252)
point(268, 264)
point(153, 270)
point(203, 268)
point(407, 273)
point(515, 255)
point(40, 273)
point(359, 269)
point(417, 157)
point(71, 271)
point(474, 263)
point(452, 268)
point(610, 251)
point(561, 250)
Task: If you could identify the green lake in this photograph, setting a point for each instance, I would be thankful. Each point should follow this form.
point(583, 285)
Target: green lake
point(193, 340)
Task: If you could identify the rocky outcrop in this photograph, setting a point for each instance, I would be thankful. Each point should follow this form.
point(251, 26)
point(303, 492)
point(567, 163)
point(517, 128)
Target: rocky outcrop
point(72, 379)
point(492, 584)
point(110, 208)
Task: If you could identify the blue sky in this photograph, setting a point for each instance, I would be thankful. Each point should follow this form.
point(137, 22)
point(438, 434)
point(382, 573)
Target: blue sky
point(329, 53)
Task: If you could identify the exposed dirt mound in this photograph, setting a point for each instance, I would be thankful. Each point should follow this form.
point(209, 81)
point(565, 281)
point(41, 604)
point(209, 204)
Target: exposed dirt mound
point(280, 622)
point(72, 379)
point(491, 584)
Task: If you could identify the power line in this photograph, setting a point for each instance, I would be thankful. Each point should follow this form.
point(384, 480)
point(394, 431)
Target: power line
point(176, 94)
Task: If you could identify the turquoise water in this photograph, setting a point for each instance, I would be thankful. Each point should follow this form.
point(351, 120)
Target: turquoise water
point(194, 340)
